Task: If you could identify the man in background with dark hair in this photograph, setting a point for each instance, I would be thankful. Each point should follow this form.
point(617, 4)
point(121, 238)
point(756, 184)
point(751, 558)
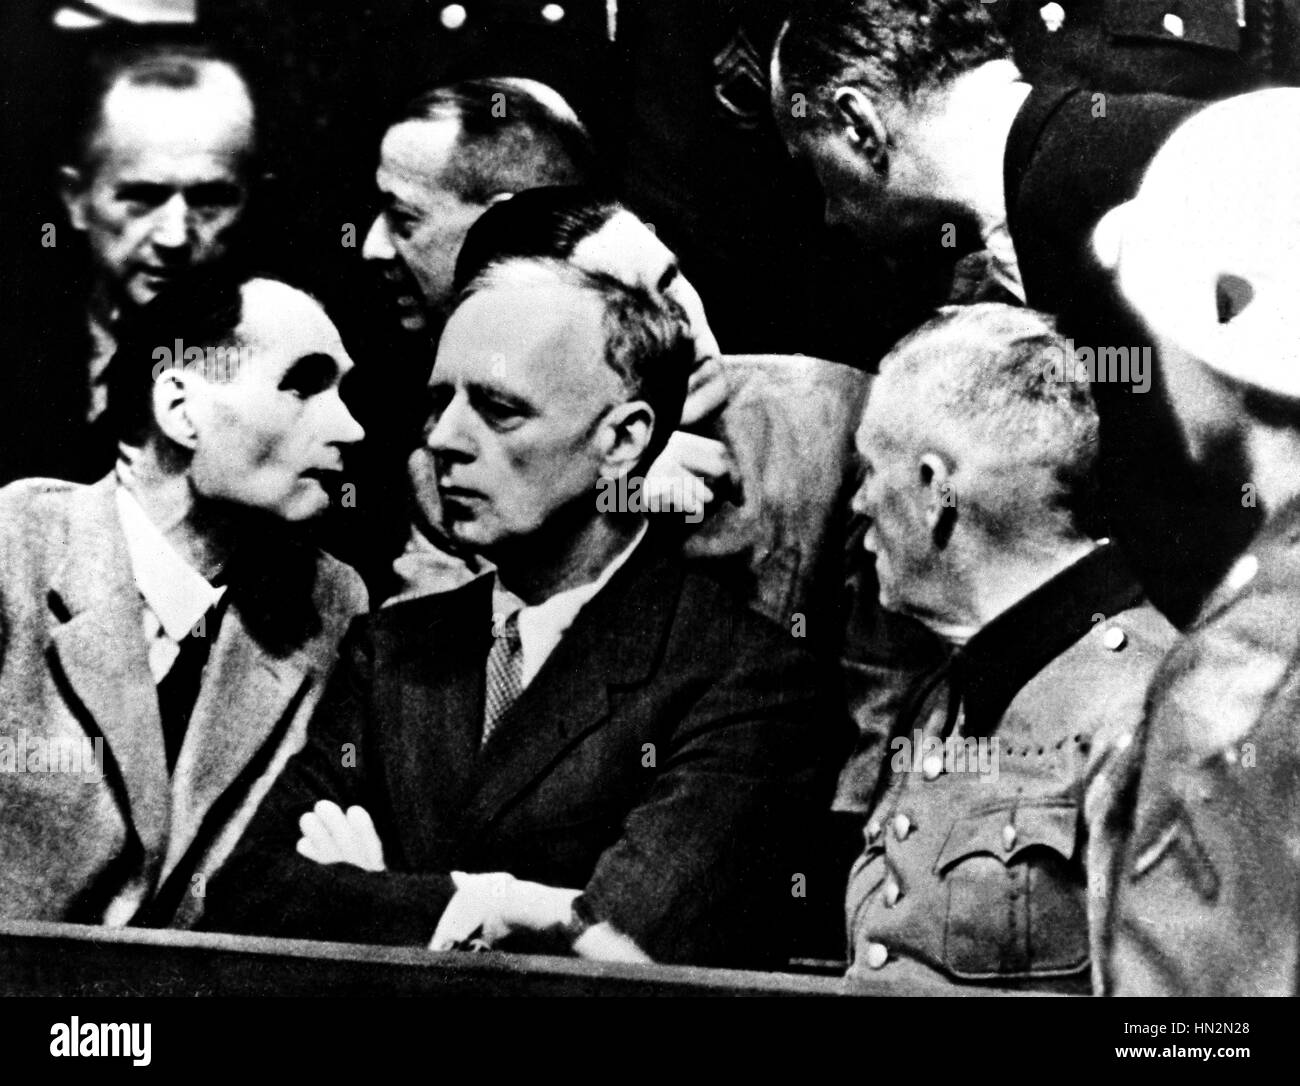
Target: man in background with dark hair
point(899, 109)
point(156, 183)
point(916, 119)
point(446, 158)
point(620, 766)
point(166, 632)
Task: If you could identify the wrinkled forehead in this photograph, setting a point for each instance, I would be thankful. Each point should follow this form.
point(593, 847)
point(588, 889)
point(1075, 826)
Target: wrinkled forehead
point(542, 342)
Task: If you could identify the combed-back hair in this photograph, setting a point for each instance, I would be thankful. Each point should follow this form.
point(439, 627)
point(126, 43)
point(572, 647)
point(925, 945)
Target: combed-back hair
point(514, 134)
point(647, 338)
point(545, 222)
point(202, 312)
point(894, 50)
point(985, 380)
point(175, 65)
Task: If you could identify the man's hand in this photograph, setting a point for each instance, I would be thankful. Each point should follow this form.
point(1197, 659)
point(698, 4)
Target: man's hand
point(495, 904)
point(331, 837)
point(706, 392)
point(683, 477)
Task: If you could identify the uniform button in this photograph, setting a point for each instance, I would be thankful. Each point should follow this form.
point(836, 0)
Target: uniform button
point(877, 955)
point(873, 829)
point(1053, 16)
point(932, 766)
point(1008, 837)
point(453, 16)
point(902, 826)
point(1174, 25)
point(892, 893)
point(1114, 638)
point(552, 13)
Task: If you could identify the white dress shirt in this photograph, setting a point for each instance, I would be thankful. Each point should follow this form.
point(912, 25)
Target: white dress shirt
point(542, 625)
point(175, 594)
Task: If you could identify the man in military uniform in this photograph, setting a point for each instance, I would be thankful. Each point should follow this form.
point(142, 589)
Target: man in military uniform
point(979, 460)
point(1202, 835)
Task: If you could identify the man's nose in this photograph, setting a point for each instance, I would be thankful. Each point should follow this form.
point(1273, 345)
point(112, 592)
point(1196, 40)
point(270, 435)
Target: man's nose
point(171, 224)
point(343, 427)
point(379, 243)
point(449, 435)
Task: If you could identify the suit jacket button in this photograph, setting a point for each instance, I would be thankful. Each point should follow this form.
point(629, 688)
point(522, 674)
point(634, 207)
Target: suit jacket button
point(1053, 16)
point(932, 766)
point(552, 13)
point(1114, 638)
point(453, 16)
point(1174, 25)
point(902, 826)
point(877, 955)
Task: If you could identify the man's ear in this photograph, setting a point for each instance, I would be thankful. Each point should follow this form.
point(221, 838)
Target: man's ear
point(938, 496)
point(172, 407)
point(861, 125)
point(624, 436)
point(73, 191)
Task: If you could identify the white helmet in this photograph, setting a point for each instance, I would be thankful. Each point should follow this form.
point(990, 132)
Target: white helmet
point(1208, 251)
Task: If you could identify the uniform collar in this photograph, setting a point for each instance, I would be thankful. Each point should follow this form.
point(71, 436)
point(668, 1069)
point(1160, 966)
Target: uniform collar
point(992, 668)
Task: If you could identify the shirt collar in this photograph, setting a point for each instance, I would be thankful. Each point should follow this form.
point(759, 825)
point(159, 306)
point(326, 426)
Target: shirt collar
point(173, 589)
point(542, 625)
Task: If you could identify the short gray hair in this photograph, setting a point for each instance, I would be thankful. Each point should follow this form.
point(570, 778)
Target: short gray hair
point(972, 380)
point(647, 337)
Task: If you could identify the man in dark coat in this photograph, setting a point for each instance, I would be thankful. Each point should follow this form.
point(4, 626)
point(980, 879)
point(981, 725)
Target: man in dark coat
point(620, 766)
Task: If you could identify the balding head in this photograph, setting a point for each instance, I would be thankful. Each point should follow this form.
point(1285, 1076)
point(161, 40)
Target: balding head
point(161, 168)
point(451, 153)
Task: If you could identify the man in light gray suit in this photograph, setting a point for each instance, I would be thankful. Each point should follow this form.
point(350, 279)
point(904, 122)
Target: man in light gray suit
point(166, 632)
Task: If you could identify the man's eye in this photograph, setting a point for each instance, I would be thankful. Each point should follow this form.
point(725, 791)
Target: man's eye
point(214, 195)
point(501, 413)
point(310, 376)
point(400, 223)
point(144, 195)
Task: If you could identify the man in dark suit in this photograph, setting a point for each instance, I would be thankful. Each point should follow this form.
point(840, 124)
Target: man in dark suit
point(165, 633)
point(623, 768)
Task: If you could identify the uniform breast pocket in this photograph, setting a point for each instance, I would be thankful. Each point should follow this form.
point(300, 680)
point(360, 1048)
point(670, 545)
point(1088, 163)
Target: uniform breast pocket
point(1017, 902)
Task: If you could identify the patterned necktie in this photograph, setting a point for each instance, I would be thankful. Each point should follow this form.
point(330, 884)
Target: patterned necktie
point(505, 674)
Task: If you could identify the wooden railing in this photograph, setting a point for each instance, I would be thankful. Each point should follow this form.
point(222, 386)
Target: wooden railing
point(70, 959)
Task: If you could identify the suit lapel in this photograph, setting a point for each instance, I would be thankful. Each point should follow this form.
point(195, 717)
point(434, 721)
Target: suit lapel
point(614, 641)
point(434, 695)
point(247, 697)
point(98, 648)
